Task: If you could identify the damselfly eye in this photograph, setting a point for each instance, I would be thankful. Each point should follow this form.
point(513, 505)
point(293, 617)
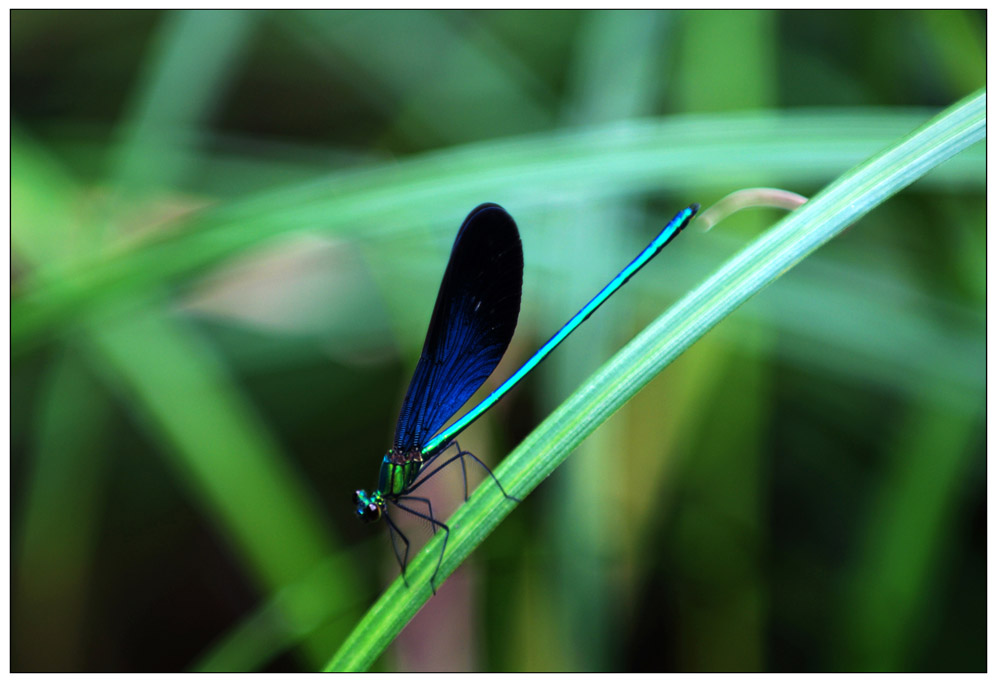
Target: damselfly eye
point(370, 513)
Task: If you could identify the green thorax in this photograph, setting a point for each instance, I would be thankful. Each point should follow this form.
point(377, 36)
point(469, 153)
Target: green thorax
point(398, 471)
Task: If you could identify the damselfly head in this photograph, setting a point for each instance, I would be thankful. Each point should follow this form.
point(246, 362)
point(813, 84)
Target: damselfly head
point(368, 507)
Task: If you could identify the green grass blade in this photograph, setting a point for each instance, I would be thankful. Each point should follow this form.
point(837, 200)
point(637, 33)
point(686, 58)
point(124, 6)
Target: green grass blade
point(193, 56)
point(613, 78)
point(724, 479)
point(842, 203)
point(359, 46)
point(615, 160)
point(915, 512)
point(55, 546)
point(180, 389)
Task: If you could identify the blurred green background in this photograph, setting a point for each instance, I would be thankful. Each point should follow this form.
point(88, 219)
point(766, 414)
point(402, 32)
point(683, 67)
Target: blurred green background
point(228, 229)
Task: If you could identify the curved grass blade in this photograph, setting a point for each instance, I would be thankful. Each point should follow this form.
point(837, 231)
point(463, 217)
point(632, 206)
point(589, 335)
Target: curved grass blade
point(828, 214)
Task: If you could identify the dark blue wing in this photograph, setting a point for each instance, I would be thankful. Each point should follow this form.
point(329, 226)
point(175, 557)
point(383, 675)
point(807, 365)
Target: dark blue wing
point(471, 327)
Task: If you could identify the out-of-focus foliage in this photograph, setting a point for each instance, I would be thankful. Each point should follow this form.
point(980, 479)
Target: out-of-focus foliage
point(227, 233)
